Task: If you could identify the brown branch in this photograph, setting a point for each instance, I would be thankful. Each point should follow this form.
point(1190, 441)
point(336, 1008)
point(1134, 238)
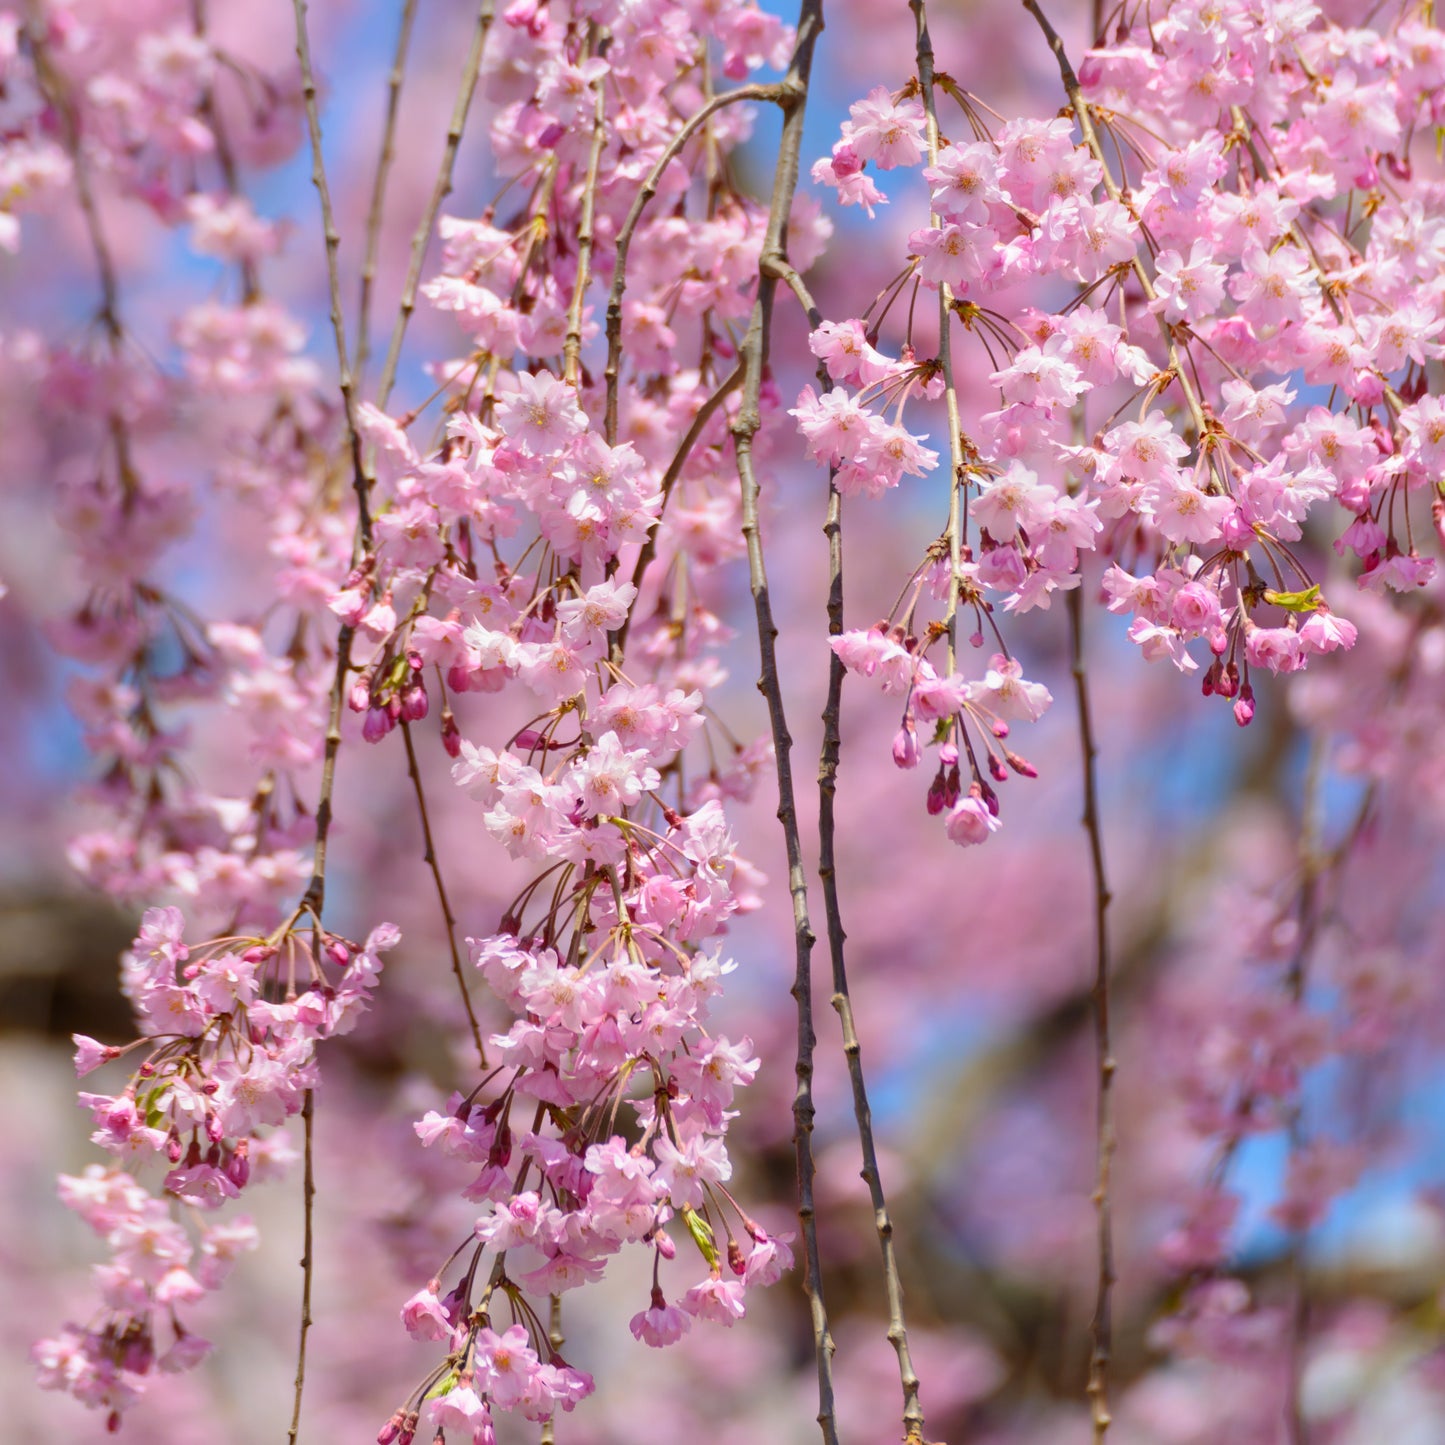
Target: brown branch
point(753, 355)
point(361, 481)
point(429, 856)
point(648, 550)
point(308, 1265)
point(225, 153)
point(842, 1000)
point(1101, 1326)
point(783, 94)
point(378, 185)
point(957, 517)
point(1080, 108)
point(572, 344)
point(441, 188)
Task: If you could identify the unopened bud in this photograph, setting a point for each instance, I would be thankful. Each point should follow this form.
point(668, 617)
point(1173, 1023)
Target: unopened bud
point(1244, 708)
point(359, 698)
point(996, 769)
point(736, 1262)
point(665, 1247)
point(451, 734)
point(952, 787)
point(936, 792)
point(378, 723)
point(905, 745)
point(1021, 766)
point(238, 1170)
point(414, 702)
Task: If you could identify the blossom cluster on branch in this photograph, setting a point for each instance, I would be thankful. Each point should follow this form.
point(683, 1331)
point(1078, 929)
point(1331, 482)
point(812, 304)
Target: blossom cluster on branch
point(1168, 346)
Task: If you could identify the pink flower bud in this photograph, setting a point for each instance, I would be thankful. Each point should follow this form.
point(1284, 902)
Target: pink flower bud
point(1244, 707)
point(238, 1168)
point(378, 723)
point(414, 702)
point(665, 1247)
point(905, 746)
point(451, 735)
point(1021, 766)
point(936, 791)
point(359, 698)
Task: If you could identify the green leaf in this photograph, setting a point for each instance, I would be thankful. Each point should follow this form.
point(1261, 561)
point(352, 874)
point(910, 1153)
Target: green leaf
point(701, 1232)
point(1306, 601)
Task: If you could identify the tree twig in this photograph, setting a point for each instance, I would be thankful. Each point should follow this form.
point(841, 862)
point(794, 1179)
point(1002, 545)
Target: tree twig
point(783, 94)
point(308, 1263)
point(441, 188)
point(429, 856)
point(572, 343)
point(1101, 1326)
point(384, 159)
point(753, 355)
point(957, 517)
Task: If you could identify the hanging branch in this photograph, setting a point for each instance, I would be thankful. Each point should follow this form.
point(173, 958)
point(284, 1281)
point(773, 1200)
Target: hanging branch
point(572, 344)
point(842, 1000)
point(753, 355)
point(957, 519)
point(315, 897)
point(1101, 1326)
point(1313, 862)
point(378, 185)
point(429, 857)
point(441, 188)
point(784, 95)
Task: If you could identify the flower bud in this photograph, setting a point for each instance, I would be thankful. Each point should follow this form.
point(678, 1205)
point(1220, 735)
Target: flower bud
point(1244, 707)
point(936, 790)
point(378, 723)
point(905, 745)
point(414, 702)
point(451, 734)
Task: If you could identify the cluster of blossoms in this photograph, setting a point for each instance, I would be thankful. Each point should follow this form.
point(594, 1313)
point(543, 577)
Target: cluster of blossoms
point(1210, 295)
point(1234, 285)
point(224, 1066)
point(127, 107)
point(1256, 277)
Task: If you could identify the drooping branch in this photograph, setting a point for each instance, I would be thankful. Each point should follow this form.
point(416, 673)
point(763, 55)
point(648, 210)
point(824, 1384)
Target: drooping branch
point(753, 355)
point(1101, 1326)
point(783, 94)
point(384, 159)
point(433, 863)
point(441, 188)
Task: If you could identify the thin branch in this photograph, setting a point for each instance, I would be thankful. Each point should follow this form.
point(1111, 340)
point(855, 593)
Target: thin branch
point(441, 188)
point(308, 1265)
point(783, 94)
point(429, 856)
point(648, 550)
point(957, 518)
point(360, 480)
point(1101, 1326)
point(572, 344)
point(753, 355)
point(225, 153)
point(842, 1000)
point(1313, 863)
point(378, 186)
point(1091, 139)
